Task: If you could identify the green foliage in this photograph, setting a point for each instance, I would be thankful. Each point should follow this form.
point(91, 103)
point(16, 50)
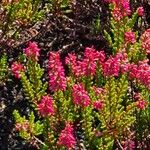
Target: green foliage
point(87, 125)
point(96, 25)
point(3, 68)
point(28, 128)
point(33, 86)
point(59, 6)
point(25, 11)
point(114, 117)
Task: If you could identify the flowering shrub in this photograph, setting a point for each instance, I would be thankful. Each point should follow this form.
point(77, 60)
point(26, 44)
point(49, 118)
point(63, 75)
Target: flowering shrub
point(97, 98)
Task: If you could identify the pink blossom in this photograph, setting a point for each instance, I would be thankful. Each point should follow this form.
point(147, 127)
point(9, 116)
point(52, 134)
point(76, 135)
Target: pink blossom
point(56, 73)
point(117, 14)
point(121, 9)
point(22, 126)
point(130, 37)
point(16, 69)
point(128, 145)
point(80, 95)
point(137, 96)
point(45, 107)
point(140, 11)
point(141, 104)
point(134, 72)
point(111, 67)
point(18, 126)
point(86, 66)
point(145, 38)
point(98, 104)
point(66, 137)
point(141, 72)
point(102, 57)
point(98, 90)
point(32, 51)
point(123, 60)
point(144, 73)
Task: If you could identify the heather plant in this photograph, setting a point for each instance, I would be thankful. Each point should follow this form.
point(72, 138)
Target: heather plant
point(99, 101)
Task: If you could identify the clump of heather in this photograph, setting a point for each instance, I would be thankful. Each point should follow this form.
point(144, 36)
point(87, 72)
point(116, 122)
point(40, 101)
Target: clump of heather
point(101, 97)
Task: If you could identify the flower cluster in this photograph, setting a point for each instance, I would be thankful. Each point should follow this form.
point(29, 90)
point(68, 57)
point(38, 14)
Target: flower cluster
point(98, 90)
point(140, 102)
point(145, 38)
point(80, 95)
point(111, 67)
point(121, 9)
point(16, 69)
point(45, 107)
point(130, 37)
point(141, 72)
point(32, 51)
point(56, 73)
point(66, 137)
point(140, 11)
point(87, 66)
point(98, 104)
point(128, 144)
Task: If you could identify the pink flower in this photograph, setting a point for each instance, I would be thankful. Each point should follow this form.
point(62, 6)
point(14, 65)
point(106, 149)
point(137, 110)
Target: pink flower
point(130, 37)
point(98, 90)
point(141, 72)
point(124, 62)
point(32, 51)
point(111, 67)
point(80, 95)
point(121, 9)
point(117, 14)
point(140, 11)
point(141, 104)
point(86, 66)
point(66, 137)
point(22, 126)
point(16, 69)
point(45, 107)
point(145, 38)
point(56, 73)
point(128, 145)
point(98, 104)
point(134, 72)
point(18, 126)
